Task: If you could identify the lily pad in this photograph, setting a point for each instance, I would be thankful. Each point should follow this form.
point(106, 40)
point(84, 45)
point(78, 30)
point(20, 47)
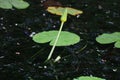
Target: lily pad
point(9, 4)
point(60, 10)
point(5, 4)
point(19, 4)
point(65, 39)
point(109, 38)
point(88, 78)
point(117, 44)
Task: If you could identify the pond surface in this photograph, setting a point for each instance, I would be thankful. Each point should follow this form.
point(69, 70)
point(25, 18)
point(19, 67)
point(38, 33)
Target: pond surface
point(23, 59)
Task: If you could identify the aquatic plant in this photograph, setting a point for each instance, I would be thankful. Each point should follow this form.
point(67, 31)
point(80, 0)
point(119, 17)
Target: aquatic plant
point(60, 10)
point(58, 38)
point(88, 78)
point(9, 4)
point(107, 38)
point(65, 38)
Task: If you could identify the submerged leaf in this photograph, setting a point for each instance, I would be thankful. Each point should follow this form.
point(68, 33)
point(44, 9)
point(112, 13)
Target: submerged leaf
point(65, 39)
point(60, 10)
point(48, 3)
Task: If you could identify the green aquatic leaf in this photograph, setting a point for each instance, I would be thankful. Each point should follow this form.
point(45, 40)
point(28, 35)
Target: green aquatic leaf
point(88, 78)
point(19, 4)
point(60, 10)
point(109, 38)
point(5, 4)
point(9, 4)
point(105, 39)
point(65, 39)
point(117, 44)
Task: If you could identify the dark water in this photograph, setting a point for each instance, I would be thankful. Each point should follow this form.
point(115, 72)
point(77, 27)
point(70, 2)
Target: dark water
point(17, 50)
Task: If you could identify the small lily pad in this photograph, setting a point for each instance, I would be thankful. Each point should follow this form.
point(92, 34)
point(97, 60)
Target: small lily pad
point(5, 4)
point(9, 4)
point(60, 10)
point(19, 4)
point(117, 44)
point(88, 78)
point(65, 39)
point(109, 38)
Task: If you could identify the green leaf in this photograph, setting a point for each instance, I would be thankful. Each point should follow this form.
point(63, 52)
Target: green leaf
point(117, 44)
point(65, 39)
point(73, 11)
point(19, 4)
point(5, 4)
point(88, 78)
point(8, 4)
point(60, 10)
point(108, 38)
point(105, 39)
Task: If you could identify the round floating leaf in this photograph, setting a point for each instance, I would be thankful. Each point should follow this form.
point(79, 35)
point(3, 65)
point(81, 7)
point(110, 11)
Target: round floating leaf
point(60, 10)
point(8, 4)
point(117, 44)
point(108, 38)
point(19, 4)
point(88, 78)
point(5, 4)
point(73, 11)
point(65, 39)
point(105, 39)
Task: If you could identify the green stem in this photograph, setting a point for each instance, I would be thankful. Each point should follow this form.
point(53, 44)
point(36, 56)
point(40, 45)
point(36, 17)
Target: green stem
point(51, 52)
